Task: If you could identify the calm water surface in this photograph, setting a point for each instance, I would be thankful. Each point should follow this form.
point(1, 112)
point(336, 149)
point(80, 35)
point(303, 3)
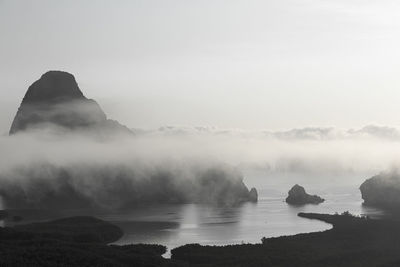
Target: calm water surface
point(176, 225)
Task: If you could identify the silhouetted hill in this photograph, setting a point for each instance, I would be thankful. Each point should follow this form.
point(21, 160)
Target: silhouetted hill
point(56, 100)
point(56, 86)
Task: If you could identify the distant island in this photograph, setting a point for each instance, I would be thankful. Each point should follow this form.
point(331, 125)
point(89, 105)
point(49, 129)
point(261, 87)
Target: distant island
point(297, 196)
point(382, 190)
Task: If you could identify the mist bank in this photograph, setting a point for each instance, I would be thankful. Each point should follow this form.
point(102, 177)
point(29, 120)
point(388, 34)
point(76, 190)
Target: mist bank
point(200, 146)
point(317, 150)
point(57, 168)
point(52, 167)
point(306, 133)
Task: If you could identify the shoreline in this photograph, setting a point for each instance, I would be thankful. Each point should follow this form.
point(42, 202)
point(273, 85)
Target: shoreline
point(352, 241)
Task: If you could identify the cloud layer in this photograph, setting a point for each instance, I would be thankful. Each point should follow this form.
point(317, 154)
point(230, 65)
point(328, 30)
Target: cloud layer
point(174, 164)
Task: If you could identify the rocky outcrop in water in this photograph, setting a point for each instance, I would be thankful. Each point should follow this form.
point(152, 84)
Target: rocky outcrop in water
point(298, 196)
point(382, 190)
point(253, 195)
point(56, 100)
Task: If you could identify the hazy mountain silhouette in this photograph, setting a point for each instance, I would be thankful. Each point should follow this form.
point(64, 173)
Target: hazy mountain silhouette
point(99, 179)
point(56, 99)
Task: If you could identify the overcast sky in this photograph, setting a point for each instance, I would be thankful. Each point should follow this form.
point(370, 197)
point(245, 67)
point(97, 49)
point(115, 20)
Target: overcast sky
point(274, 64)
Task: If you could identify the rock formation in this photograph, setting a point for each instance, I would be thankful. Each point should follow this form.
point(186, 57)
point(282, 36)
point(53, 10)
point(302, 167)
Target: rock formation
point(382, 190)
point(253, 195)
point(56, 100)
point(298, 196)
point(221, 186)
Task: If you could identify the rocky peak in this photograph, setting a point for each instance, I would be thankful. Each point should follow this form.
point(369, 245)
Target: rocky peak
point(56, 99)
point(53, 86)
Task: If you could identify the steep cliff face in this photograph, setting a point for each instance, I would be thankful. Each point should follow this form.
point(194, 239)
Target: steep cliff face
point(298, 196)
point(382, 190)
point(56, 100)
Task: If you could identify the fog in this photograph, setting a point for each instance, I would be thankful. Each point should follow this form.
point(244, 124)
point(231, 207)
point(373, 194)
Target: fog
point(307, 149)
point(171, 163)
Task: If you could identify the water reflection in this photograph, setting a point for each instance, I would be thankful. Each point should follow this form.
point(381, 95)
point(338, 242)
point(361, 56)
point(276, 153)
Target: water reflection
point(205, 224)
point(147, 232)
point(175, 225)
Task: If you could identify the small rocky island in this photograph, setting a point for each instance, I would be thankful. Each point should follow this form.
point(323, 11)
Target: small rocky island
point(382, 190)
point(298, 196)
point(253, 195)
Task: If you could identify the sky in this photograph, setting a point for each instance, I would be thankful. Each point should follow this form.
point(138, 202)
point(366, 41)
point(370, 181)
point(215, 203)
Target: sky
point(276, 64)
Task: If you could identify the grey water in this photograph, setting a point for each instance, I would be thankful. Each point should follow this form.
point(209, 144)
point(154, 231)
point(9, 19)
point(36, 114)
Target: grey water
point(177, 225)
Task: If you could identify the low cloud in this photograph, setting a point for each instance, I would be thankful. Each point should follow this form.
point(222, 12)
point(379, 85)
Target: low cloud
point(176, 164)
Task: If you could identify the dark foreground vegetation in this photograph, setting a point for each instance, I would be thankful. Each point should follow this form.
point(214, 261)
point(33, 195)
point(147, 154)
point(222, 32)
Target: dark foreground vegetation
point(77, 241)
point(353, 241)
point(82, 241)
